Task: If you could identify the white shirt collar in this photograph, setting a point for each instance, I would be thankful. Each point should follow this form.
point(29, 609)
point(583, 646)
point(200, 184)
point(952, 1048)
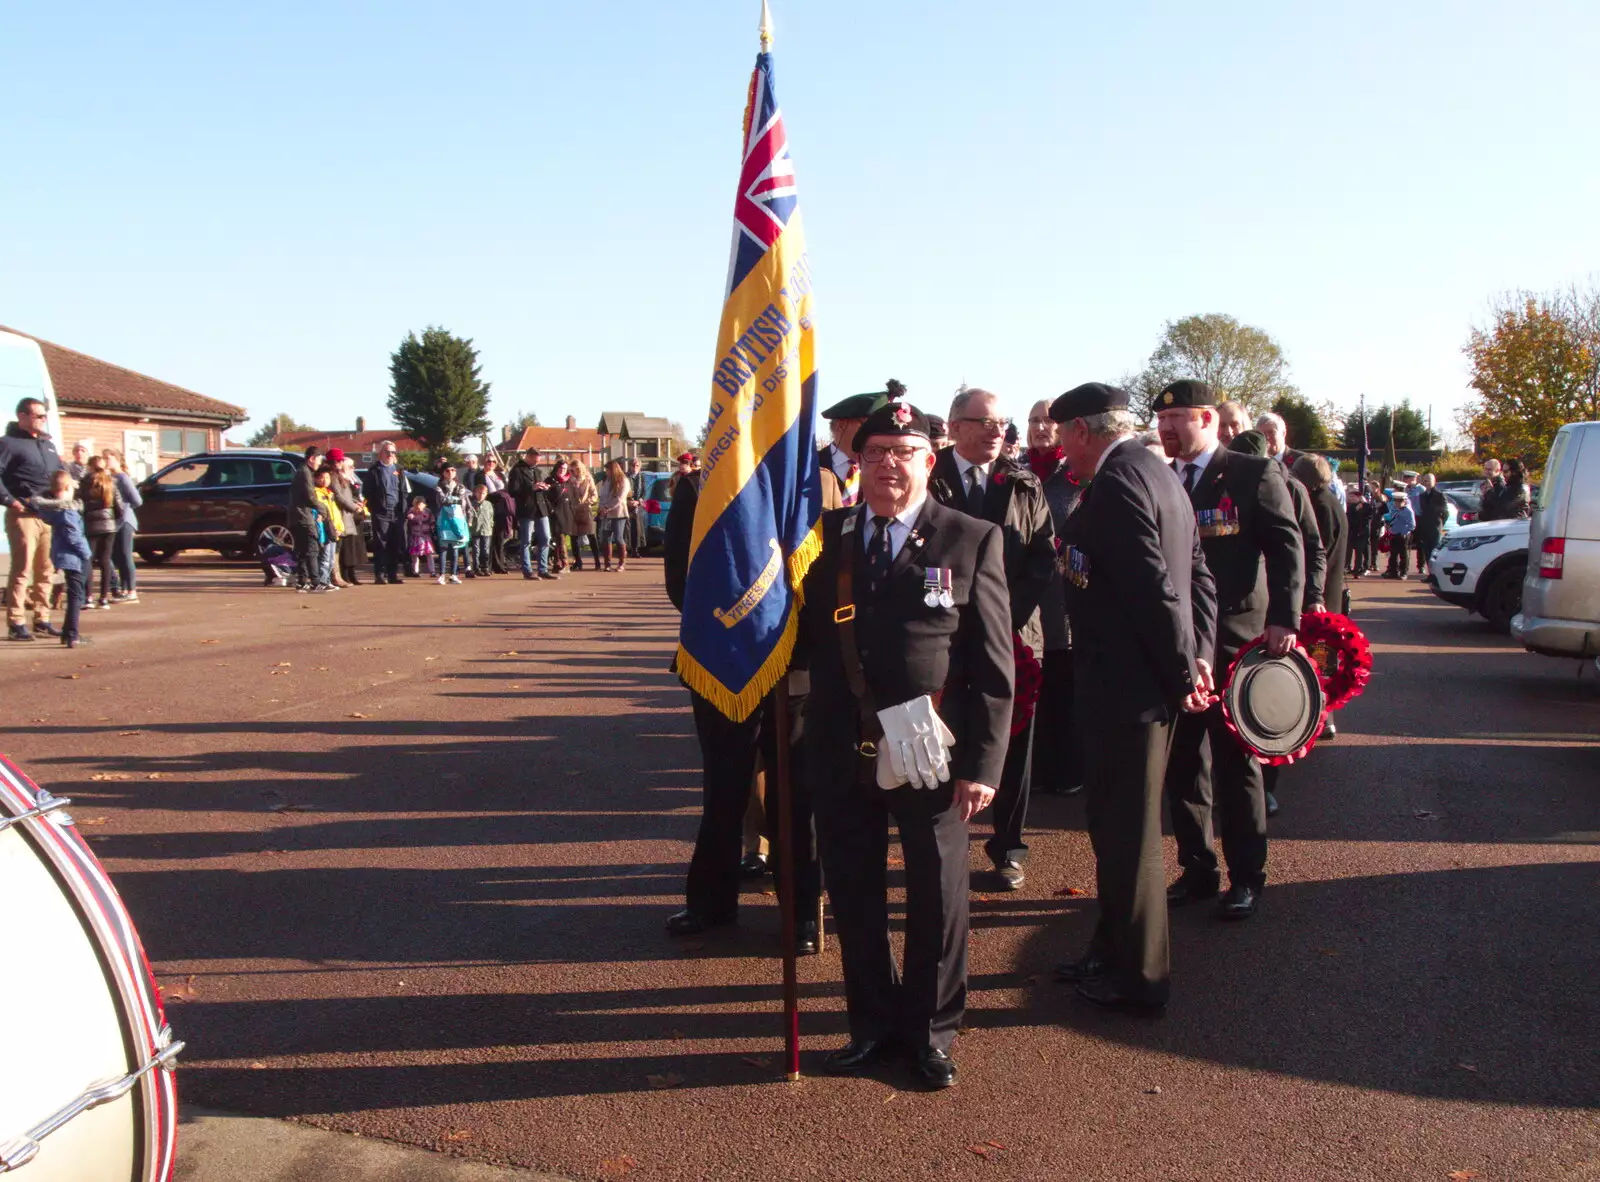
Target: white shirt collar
point(1115, 443)
point(1200, 461)
point(899, 526)
point(964, 466)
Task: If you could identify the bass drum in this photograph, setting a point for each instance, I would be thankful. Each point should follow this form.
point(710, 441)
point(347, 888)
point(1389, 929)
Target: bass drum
point(88, 1093)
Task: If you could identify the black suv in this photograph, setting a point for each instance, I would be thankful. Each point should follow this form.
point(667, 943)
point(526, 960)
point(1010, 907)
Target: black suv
point(218, 500)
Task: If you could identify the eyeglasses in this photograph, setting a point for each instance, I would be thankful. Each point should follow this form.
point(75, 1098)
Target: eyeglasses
point(990, 425)
point(902, 452)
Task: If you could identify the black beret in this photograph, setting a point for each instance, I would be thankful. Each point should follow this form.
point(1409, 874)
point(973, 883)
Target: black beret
point(1186, 392)
point(857, 406)
point(1011, 433)
point(937, 429)
point(1091, 398)
point(1249, 443)
point(892, 418)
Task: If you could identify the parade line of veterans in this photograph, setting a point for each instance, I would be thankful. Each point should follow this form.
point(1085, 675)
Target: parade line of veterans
point(985, 621)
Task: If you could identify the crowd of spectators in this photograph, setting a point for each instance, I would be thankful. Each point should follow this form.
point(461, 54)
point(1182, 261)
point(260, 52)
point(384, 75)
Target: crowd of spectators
point(473, 521)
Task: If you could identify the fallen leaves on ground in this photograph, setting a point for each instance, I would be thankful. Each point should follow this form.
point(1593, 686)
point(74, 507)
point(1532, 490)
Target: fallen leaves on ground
point(68, 676)
point(280, 804)
point(111, 776)
point(458, 1135)
point(1425, 815)
point(155, 775)
point(1463, 1175)
point(670, 1080)
point(257, 1066)
point(92, 820)
point(369, 648)
point(756, 1060)
point(512, 653)
point(285, 664)
point(211, 642)
point(183, 992)
point(126, 734)
point(615, 1167)
point(986, 1150)
point(1070, 892)
point(357, 714)
point(1468, 1066)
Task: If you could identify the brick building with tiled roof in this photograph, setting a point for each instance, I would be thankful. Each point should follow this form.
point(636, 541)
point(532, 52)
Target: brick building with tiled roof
point(150, 421)
point(360, 443)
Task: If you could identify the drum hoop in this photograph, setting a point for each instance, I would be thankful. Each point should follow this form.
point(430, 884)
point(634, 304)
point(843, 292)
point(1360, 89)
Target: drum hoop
point(101, 909)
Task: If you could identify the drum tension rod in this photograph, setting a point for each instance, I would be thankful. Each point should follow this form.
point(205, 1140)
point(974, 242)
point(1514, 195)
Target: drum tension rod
point(48, 804)
point(23, 1149)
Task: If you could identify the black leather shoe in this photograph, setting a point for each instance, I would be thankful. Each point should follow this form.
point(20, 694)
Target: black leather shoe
point(1103, 992)
point(1272, 804)
point(1239, 903)
point(936, 1067)
point(20, 632)
point(1010, 875)
point(754, 865)
point(856, 1055)
point(692, 923)
point(1329, 731)
point(1192, 888)
point(1085, 968)
point(45, 628)
point(805, 938)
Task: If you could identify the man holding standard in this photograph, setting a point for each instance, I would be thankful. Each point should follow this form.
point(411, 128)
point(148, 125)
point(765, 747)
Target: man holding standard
point(1246, 522)
point(1143, 610)
point(907, 632)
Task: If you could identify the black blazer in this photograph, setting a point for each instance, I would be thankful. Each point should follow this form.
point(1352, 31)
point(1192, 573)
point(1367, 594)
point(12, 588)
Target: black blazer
point(678, 533)
point(1142, 601)
point(909, 649)
point(1260, 570)
point(1335, 545)
point(1014, 500)
point(1312, 550)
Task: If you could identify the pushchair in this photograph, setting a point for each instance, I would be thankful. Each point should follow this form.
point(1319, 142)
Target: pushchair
point(277, 563)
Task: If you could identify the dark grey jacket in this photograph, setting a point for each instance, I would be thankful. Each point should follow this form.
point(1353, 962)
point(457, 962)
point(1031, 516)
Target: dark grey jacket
point(26, 465)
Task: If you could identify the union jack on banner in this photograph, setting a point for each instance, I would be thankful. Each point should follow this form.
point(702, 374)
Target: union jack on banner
point(755, 521)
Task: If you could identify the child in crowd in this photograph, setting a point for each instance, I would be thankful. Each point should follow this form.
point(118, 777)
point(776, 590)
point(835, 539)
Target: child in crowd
point(277, 561)
point(480, 518)
point(1401, 522)
point(451, 527)
point(419, 537)
point(329, 526)
point(69, 549)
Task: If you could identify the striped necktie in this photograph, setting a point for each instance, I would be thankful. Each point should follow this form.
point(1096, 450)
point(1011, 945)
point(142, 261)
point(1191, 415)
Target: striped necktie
point(851, 485)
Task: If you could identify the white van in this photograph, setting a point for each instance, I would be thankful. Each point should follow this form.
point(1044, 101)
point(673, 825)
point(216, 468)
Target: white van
point(1560, 614)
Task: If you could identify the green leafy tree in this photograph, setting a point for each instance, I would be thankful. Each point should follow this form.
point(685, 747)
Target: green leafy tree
point(521, 421)
point(1307, 430)
point(278, 424)
point(436, 392)
point(1410, 429)
point(1535, 368)
point(1242, 363)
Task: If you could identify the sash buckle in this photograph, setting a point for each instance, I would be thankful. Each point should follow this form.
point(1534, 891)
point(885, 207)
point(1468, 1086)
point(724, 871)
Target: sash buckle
point(844, 614)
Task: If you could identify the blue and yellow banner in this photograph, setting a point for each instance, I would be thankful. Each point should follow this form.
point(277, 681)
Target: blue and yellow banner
point(755, 526)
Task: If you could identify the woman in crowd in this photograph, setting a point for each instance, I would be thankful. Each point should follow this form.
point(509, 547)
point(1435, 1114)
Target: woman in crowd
point(583, 499)
point(128, 525)
point(614, 496)
point(102, 512)
point(490, 476)
point(347, 496)
point(562, 508)
point(1314, 472)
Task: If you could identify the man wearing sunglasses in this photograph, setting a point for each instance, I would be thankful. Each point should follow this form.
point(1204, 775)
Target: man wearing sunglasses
point(975, 478)
point(906, 632)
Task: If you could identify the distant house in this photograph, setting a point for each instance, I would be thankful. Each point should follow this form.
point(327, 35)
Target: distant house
point(360, 444)
point(632, 435)
point(568, 442)
point(150, 421)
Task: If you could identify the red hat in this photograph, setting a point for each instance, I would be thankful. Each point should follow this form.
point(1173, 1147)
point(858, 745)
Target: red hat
point(335, 455)
point(686, 458)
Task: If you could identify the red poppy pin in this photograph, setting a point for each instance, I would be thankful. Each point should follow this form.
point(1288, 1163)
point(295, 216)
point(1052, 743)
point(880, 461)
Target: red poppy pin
point(902, 414)
point(999, 477)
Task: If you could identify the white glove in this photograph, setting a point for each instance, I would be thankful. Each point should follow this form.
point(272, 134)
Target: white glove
point(915, 747)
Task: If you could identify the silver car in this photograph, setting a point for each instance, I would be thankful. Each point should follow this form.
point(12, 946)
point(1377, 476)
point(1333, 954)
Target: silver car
point(1560, 614)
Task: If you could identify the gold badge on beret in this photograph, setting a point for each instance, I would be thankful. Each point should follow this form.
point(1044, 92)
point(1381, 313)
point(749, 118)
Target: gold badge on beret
point(1167, 398)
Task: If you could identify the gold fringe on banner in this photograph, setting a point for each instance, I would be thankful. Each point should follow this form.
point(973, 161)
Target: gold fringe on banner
point(738, 706)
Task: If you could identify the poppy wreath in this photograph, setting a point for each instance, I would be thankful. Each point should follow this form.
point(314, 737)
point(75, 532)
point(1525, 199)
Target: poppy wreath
point(1227, 715)
point(1030, 678)
point(1340, 652)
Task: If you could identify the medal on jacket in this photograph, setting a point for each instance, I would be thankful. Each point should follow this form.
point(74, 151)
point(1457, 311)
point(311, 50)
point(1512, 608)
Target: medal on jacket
point(1076, 567)
point(937, 582)
point(1220, 522)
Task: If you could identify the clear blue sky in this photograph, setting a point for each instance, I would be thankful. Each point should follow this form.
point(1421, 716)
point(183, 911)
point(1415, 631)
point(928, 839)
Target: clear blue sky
point(258, 201)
